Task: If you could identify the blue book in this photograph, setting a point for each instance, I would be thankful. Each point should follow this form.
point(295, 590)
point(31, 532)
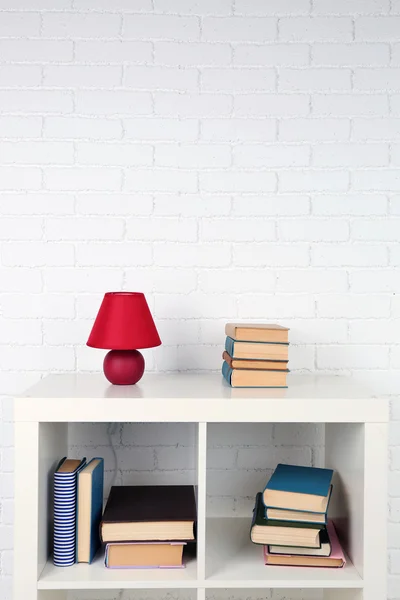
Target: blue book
point(90, 509)
point(65, 482)
point(257, 350)
point(299, 488)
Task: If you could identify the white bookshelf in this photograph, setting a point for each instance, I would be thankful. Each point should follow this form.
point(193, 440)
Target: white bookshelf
point(355, 446)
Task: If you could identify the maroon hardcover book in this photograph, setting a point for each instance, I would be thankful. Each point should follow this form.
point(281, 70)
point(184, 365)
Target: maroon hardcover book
point(149, 512)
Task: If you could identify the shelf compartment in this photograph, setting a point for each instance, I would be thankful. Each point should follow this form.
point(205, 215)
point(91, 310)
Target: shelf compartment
point(96, 577)
point(234, 561)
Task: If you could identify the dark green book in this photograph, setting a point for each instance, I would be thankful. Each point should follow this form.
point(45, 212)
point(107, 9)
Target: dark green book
point(325, 550)
point(282, 533)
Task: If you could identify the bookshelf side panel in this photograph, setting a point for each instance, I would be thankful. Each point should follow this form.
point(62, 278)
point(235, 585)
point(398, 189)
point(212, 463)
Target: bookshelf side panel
point(53, 446)
point(344, 452)
point(26, 511)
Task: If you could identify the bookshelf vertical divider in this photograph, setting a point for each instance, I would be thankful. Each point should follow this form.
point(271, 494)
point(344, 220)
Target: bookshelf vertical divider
point(356, 426)
point(201, 593)
point(201, 499)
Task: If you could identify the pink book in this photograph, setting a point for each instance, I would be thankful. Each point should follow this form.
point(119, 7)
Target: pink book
point(336, 558)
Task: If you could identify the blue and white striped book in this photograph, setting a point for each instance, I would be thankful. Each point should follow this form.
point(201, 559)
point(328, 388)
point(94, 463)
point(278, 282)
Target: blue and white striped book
point(65, 485)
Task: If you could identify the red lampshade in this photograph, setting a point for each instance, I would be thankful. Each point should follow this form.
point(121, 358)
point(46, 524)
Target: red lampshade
point(124, 322)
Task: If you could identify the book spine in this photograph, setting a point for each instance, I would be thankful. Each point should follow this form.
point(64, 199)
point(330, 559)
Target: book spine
point(106, 556)
point(327, 506)
point(230, 346)
point(226, 372)
point(228, 359)
point(65, 500)
point(64, 519)
point(255, 512)
point(96, 508)
point(256, 516)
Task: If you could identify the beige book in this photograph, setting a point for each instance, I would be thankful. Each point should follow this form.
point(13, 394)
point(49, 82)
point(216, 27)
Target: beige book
point(256, 378)
point(257, 351)
point(257, 332)
point(144, 555)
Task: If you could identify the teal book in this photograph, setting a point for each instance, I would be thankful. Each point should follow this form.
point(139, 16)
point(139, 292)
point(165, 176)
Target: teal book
point(90, 509)
point(226, 372)
point(282, 533)
point(257, 350)
point(298, 516)
point(299, 488)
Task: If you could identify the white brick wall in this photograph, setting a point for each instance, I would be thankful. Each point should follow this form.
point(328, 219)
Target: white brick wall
point(232, 159)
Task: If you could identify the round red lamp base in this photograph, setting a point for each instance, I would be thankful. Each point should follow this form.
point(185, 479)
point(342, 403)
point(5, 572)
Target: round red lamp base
point(123, 367)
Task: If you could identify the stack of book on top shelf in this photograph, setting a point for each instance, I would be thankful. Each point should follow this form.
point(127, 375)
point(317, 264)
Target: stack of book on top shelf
point(256, 355)
point(148, 526)
point(290, 519)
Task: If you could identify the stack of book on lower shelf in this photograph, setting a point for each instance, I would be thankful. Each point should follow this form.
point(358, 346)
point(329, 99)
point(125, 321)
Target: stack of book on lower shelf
point(290, 519)
point(148, 526)
point(256, 355)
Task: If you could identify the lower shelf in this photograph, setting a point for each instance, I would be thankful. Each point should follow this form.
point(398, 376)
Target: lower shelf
point(232, 561)
point(96, 576)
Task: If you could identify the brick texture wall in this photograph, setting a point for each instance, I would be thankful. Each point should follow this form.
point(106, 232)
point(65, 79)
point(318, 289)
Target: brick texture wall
point(232, 159)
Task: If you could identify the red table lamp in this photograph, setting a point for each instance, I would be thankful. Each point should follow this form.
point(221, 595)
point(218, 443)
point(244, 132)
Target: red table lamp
point(124, 324)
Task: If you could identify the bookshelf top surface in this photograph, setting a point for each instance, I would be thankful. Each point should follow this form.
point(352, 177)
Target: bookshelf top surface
point(199, 397)
point(192, 385)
